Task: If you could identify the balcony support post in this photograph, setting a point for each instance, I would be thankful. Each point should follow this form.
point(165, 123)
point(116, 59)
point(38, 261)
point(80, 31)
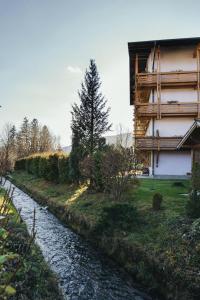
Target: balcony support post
point(198, 79)
point(136, 96)
point(158, 84)
point(157, 159)
point(136, 74)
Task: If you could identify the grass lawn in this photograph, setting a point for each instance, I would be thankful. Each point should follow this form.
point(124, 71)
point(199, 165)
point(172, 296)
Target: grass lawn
point(173, 207)
point(91, 206)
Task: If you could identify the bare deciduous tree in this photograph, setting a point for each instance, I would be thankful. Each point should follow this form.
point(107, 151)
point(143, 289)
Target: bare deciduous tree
point(8, 147)
point(46, 140)
point(118, 166)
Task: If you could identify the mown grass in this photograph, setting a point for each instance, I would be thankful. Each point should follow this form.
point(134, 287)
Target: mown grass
point(91, 205)
point(173, 207)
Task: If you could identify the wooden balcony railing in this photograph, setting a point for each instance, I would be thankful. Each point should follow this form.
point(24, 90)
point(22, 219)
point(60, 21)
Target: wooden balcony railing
point(167, 109)
point(157, 143)
point(167, 79)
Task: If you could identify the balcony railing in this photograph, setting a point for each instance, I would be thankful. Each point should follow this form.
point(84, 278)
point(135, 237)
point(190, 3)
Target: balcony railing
point(182, 78)
point(168, 109)
point(157, 143)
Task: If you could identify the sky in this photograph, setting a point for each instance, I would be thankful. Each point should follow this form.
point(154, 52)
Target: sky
point(46, 45)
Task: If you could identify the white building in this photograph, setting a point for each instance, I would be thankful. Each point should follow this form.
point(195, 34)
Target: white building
point(165, 93)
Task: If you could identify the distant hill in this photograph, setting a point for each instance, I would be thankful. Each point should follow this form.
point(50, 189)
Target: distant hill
point(67, 149)
point(127, 140)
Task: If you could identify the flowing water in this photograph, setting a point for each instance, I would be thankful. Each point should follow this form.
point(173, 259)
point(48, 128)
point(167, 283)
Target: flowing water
point(83, 273)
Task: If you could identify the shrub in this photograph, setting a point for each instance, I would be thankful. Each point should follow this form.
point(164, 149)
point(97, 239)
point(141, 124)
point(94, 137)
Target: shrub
point(196, 176)
point(32, 165)
point(29, 165)
point(109, 170)
point(53, 167)
point(63, 169)
point(157, 201)
point(35, 165)
point(121, 216)
point(43, 167)
point(75, 158)
point(195, 228)
point(97, 172)
point(20, 164)
point(193, 204)
point(53, 174)
point(117, 165)
point(135, 181)
point(178, 184)
point(91, 168)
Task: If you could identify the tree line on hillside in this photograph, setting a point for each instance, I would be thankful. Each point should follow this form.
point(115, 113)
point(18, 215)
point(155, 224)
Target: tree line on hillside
point(29, 139)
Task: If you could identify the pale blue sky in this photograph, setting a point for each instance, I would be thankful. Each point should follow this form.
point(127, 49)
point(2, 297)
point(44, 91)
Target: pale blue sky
point(45, 47)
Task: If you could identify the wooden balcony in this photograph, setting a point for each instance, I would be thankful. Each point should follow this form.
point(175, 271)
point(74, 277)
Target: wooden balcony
point(167, 109)
point(157, 143)
point(167, 79)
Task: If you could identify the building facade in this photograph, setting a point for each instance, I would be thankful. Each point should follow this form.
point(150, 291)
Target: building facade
point(165, 94)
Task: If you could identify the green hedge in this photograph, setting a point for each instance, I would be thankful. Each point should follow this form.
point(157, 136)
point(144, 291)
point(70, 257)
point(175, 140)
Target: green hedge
point(53, 167)
point(20, 164)
point(63, 169)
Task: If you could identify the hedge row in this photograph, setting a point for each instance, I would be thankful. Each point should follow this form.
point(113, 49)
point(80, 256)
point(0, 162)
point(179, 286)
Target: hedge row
point(53, 167)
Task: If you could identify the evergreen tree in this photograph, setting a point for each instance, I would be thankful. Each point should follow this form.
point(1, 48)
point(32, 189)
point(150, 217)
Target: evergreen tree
point(19, 145)
point(89, 121)
point(76, 153)
point(91, 117)
point(25, 130)
point(23, 139)
point(34, 136)
point(13, 134)
point(76, 156)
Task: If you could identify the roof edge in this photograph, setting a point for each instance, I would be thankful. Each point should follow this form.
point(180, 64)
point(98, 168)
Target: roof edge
point(166, 42)
point(195, 125)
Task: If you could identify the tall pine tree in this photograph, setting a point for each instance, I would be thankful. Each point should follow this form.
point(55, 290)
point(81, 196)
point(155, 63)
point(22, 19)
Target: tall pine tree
point(23, 139)
point(34, 136)
point(89, 119)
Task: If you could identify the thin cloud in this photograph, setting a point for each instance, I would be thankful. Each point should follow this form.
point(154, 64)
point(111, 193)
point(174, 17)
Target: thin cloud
point(75, 70)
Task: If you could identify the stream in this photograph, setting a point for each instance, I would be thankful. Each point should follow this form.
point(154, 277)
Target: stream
point(83, 272)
